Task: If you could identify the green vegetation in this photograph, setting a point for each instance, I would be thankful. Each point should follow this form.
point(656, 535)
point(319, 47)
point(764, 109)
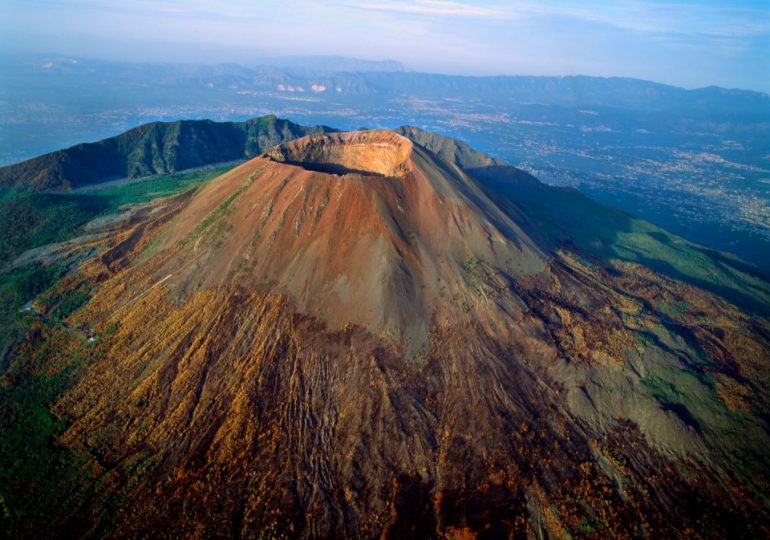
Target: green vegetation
point(8, 193)
point(31, 220)
point(473, 273)
point(31, 463)
point(221, 211)
point(41, 481)
point(69, 302)
point(676, 309)
point(157, 148)
point(470, 265)
point(565, 217)
point(157, 187)
point(686, 391)
point(18, 287)
point(590, 524)
point(111, 329)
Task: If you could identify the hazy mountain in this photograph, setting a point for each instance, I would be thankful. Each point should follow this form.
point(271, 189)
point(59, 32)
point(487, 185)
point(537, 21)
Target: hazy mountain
point(333, 64)
point(387, 334)
point(386, 79)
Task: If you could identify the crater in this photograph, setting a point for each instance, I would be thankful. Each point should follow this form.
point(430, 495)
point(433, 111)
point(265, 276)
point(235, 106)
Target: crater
point(371, 153)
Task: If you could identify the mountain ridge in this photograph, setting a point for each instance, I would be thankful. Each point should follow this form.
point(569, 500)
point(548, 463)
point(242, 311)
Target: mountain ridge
point(151, 149)
point(330, 65)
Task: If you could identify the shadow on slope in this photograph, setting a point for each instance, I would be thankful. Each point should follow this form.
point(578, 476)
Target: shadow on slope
point(332, 168)
point(567, 217)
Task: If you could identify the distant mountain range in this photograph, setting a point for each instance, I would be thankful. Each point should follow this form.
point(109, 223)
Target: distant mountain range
point(322, 76)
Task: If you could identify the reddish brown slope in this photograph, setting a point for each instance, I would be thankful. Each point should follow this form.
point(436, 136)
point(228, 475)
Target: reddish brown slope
point(390, 246)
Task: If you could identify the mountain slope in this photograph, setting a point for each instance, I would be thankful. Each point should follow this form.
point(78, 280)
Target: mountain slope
point(417, 223)
point(155, 148)
point(565, 215)
point(350, 335)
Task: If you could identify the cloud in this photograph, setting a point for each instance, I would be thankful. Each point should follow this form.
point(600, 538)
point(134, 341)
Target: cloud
point(650, 18)
point(430, 7)
point(668, 17)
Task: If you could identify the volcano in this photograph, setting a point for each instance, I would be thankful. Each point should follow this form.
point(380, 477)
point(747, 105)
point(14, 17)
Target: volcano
point(358, 228)
point(388, 334)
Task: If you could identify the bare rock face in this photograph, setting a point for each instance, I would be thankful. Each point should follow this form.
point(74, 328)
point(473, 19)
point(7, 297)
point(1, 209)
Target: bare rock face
point(349, 337)
point(380, 153)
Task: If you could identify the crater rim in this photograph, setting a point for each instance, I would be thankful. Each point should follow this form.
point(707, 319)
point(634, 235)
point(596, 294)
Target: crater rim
point(380, 153)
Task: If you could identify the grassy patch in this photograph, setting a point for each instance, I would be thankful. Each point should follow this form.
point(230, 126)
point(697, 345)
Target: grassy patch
point(221, 211)
point(39, 479)
point(472, 271)
point(157, 187)
point(590, 524)
point(565, 217)
point(471, 265)
point(30, 220)
point(675, 309)
point(69, 302)
point(111, 329)
point(21, 285)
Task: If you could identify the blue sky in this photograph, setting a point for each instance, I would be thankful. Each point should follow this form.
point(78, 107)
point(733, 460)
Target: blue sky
point(685, 43)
